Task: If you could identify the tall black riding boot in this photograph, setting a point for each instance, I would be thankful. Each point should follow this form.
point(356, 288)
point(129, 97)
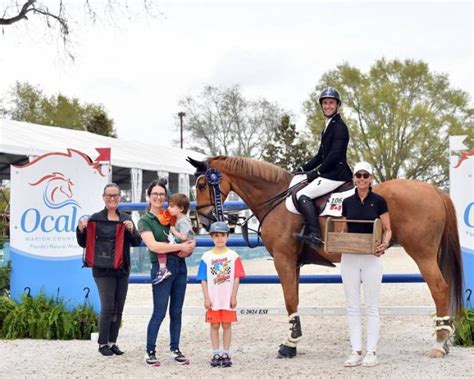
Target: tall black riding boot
point(311, 215)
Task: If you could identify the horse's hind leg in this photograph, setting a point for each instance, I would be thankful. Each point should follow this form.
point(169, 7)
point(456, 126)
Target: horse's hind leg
point(439, 291)
point(288, 273)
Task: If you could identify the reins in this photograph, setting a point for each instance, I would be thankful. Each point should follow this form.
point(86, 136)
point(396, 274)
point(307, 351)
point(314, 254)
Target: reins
point(214, 177)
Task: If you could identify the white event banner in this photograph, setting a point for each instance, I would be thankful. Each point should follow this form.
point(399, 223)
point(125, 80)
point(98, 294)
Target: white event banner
point(461, 185)
point(48, 197)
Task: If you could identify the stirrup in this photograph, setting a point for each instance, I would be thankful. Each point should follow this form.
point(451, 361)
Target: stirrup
point(311, 239)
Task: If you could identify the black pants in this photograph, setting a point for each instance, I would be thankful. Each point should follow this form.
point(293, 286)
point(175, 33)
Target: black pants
point(112, 293)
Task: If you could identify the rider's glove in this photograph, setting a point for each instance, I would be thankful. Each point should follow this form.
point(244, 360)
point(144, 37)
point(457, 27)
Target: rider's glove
point(312, 175)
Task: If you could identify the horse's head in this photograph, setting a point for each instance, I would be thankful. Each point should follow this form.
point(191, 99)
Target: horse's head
point(205, 201)
point(58, 191)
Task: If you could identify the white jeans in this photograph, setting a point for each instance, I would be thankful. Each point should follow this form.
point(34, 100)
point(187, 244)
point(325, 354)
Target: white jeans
point(368, 269)
point(319, 187)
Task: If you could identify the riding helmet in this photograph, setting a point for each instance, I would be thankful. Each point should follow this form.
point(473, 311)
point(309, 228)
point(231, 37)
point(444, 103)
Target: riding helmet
point(331, 93)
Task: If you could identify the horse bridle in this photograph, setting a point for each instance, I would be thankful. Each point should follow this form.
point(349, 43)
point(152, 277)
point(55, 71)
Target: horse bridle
point(214, 177)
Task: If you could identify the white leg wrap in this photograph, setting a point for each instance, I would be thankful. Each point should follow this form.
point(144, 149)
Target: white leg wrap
point(444, 323)
point(292, 316)
point(292, 340)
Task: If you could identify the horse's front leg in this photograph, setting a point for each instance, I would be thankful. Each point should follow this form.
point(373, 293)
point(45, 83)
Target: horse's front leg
point(289, 278)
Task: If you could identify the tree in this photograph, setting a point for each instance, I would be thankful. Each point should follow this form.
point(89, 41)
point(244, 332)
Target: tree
point(399, 115)
point(28, 103)
point(58, 15)
point(223, 122)
point(287, 149)
point(100, 123)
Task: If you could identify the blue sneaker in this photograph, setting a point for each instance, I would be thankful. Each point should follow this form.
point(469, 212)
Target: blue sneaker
point(162, 274)
point(225, 360)
point(216, 360)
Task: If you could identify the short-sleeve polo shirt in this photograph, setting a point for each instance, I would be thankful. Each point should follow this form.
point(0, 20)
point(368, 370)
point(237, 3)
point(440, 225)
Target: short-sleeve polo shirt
point(149, 222)
point(353, 208)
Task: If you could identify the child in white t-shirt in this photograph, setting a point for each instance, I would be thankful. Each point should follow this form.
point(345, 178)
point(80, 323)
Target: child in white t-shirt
point(220, 271)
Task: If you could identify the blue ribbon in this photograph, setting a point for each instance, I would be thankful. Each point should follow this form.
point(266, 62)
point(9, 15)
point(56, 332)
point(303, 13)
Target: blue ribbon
point(214, 178)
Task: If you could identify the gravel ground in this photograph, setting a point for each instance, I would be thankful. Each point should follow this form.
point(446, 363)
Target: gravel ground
point(403, 348)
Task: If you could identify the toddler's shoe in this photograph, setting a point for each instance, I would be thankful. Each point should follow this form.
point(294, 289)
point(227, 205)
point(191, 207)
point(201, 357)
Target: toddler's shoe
point(163, 273)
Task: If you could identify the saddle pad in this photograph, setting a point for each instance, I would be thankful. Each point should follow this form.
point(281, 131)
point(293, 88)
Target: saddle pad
point(333, 206)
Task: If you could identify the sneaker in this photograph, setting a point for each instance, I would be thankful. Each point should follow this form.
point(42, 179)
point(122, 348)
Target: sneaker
point(178, 357)
point(355, 359)
point(216, 360)
point(226, 361)
point(370, 359)
point(115, 349)
point(105, 351)
point(150, 358)
point(163, 273)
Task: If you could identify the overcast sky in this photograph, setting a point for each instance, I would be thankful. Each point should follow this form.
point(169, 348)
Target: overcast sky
point(272, 49)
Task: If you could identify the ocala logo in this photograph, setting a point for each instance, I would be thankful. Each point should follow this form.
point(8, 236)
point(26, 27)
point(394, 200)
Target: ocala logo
point(464, 155)
point(57, 194)
point(469, 215)
point(58, 190)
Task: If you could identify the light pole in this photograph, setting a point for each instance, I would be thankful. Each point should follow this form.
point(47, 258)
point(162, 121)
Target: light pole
point(181, 115)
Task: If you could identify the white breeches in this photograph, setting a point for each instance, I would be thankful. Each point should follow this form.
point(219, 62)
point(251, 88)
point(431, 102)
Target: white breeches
point(368, 269)
point(319, 187)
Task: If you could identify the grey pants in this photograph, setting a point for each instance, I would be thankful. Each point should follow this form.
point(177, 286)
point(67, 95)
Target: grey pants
point(112, 293)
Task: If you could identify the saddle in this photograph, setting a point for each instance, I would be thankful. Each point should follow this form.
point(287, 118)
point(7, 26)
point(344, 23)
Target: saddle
point(321, 201)
point(306, 254)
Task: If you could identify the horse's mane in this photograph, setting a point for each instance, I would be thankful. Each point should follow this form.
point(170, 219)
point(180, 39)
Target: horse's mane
point(249, 167)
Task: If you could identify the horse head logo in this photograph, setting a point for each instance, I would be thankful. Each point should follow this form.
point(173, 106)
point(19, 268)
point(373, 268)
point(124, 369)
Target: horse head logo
point(58, 190)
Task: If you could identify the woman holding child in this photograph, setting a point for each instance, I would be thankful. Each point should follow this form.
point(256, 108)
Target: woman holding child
point(154, 227)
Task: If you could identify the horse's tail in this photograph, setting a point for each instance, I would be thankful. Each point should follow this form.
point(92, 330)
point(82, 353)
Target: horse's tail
point(450, 258)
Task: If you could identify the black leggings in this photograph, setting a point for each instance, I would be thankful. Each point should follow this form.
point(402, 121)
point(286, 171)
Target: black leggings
point(112, 293)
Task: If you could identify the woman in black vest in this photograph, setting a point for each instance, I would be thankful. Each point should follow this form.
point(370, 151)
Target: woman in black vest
point(112, 284)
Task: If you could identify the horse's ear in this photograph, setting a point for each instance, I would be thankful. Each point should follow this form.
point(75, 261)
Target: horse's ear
point(201, 167)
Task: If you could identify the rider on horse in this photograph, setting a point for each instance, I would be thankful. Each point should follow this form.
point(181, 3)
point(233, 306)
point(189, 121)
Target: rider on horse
point(328, 169)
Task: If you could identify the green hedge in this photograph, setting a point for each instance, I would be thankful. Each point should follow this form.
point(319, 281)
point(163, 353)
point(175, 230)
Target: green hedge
point(41, 317)
point(5, 279)
point(464, 333)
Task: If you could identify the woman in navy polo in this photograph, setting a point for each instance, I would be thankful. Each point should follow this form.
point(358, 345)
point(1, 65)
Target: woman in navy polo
point(365, 268)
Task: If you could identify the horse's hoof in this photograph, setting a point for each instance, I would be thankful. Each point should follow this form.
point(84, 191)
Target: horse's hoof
point(435, 353)
point(446, 347)
point(286, 351)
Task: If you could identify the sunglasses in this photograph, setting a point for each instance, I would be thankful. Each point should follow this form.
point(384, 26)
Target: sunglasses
point(107, 196)
point(364, 175)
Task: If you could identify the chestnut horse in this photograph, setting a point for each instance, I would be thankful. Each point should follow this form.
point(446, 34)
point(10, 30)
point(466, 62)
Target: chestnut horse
point(422, 218)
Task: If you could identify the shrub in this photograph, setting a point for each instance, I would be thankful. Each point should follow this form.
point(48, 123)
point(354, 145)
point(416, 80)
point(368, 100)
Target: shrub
point(5, 279)
point(41, 317)
point(464, 333)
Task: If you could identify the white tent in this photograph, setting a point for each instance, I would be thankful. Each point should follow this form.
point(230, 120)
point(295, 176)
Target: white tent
point(133, 162)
